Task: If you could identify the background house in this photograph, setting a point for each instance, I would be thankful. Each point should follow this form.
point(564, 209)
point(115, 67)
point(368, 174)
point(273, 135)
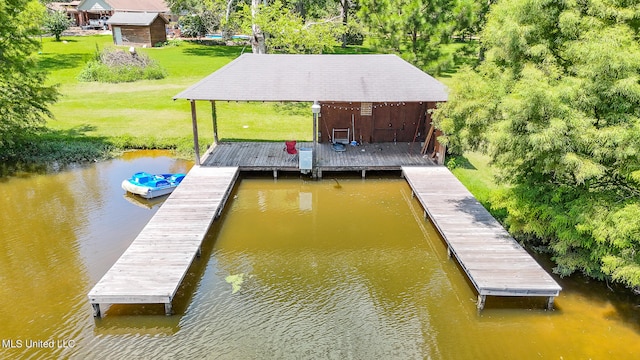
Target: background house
point(71, 8)
point(104, 9)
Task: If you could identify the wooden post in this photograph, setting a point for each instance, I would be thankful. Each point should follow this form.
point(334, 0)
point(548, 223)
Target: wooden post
point(427, 140)
point(364, 174)
point(481, 301)
point(314, 163)
point(415, 135)
point(194, 123)
point(96, 310)
point(167, 309)
point(214, 117)
point(441, 154)
point(550, 301)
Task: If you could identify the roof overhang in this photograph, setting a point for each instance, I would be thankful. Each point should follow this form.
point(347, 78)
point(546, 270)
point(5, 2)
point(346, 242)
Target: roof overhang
point(135, 18)
point(355, 78)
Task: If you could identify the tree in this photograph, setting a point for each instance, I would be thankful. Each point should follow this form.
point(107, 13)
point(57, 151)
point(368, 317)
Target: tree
point(286, 32)
point(24, 97)
point(56, 22)
point(416, 29)
point(258, 41)
point(203, 17)
point(556, 104)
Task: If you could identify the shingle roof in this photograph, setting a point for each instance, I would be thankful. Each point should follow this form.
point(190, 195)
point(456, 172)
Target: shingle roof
point(124, 5)
point(133, 18)
point(139, 5)
point(358, 78)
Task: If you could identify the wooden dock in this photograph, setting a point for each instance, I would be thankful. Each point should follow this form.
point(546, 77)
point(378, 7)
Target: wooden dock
point(494, 262)
point(270, 156)
point(152, 268)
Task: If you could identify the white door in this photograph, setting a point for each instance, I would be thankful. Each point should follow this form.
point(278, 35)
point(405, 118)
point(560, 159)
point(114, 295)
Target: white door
point(117, 33)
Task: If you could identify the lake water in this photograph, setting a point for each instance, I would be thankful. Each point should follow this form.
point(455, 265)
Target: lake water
point(294, 269)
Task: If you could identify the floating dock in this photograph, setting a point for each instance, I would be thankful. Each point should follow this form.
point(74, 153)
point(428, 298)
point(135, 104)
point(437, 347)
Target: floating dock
point(494, 262)
point(153, 267)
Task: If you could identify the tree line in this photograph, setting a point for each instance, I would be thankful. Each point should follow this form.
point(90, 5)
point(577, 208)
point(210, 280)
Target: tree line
point(415, 29)
point(556, 104)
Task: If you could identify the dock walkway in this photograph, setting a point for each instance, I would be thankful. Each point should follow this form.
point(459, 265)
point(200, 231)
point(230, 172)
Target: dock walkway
point(493, 261)
point(270, 156)
point(152, 268)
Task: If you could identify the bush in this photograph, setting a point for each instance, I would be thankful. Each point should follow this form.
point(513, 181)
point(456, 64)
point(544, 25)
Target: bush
point(192, 26)
point(173, 42)
point(56, 22)
point(116, 66)
point(354, 33)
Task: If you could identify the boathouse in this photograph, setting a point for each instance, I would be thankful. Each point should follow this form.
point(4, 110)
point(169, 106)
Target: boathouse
point(362, 99)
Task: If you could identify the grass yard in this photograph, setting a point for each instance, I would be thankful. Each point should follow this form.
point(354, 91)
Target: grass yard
point(143, 113)
point(478, 176)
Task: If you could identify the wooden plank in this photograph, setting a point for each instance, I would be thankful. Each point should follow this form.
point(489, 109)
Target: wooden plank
point(494, 262)
point(268, 156)
point(423, 151)
point(152, 268)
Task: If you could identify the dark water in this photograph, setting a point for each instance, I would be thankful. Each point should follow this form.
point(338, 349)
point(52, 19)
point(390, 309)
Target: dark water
point(295, 269)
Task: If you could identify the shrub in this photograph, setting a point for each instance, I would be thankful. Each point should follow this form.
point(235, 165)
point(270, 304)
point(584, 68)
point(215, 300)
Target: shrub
point(354, 33)
point(173, 42)
point(116, 66)
point(56, 22)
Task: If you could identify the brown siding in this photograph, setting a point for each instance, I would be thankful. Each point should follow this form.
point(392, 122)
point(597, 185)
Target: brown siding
point(158, 31)
point(148, 35)
point(388, 121)
point(135, 34)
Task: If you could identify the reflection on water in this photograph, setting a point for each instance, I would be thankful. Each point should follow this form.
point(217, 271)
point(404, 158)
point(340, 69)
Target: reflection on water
point(293, 269)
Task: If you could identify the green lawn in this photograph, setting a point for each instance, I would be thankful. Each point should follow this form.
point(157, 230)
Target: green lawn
point(143, 113)
point(478, 176)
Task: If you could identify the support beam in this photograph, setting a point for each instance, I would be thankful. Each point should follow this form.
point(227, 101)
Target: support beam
point(315, 141)
point(194, 123)
point(364, 174)
point(442, 151)
point(96, 310)
point(427, 140)
point(214, 117)
point(315, 110)
point(550, 301)
point(481, 300)
point(168, 310)
point(275, 173)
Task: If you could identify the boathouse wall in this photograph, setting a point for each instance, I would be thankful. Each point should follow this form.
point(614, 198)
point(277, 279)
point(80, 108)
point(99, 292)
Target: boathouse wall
point(376, 122)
